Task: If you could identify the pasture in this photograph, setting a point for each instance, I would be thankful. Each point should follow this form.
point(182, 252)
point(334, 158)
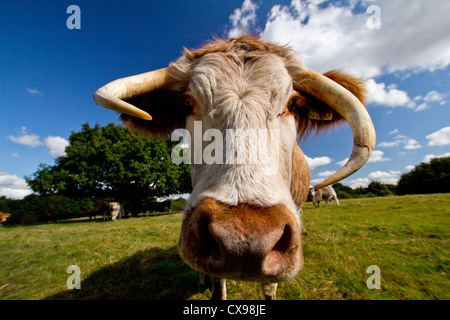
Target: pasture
point(407, 237)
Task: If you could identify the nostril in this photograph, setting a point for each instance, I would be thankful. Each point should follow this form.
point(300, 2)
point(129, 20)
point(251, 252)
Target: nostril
point(285, 242)
point(210, 247)
point(277, 257)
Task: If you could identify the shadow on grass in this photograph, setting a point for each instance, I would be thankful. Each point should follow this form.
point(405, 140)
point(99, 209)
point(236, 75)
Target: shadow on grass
point(147, 275)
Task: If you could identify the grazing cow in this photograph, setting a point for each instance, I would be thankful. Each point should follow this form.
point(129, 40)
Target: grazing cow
point(242, 220)
point(115, 210)
point(3, 217)
point(325, 194)
point(160, 206)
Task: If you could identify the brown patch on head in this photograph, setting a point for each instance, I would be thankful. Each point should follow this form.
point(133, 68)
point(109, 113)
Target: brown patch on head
point(241, 242)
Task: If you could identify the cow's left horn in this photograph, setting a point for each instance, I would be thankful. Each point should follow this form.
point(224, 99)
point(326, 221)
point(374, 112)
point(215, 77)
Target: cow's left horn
point(112, 94)
point(352, 110)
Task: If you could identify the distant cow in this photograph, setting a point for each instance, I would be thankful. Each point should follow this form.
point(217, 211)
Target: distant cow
point(3, 217)
point(115, 210)
point(101, 209)
point(160, 206)
point(325, 194)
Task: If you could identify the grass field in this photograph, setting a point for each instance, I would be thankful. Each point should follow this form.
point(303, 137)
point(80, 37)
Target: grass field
point(407, 237)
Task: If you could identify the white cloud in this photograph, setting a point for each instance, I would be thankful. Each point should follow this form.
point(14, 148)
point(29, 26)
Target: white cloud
point(386, 177)
point(400, 140)
point(342, 162)
point(395, 131)
point(412, 144)
point(428, 157)
point(326, 173)
point(377, 93)
point(313, 182)
point(434, 96)
point(410, 167)
point(422, 106)
point(439, 138)
point(328, 36)
point(356, 183)
point(56, 145)
point(389, 144)
point(390, 96)
point(377, 156)
point(243, 19)
point(31, 140)
point(13, 187)
point(390, 177)
point(317, 162)
point(34, 91)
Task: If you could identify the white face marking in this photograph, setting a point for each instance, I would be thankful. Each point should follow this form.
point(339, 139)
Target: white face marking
point(233, 96)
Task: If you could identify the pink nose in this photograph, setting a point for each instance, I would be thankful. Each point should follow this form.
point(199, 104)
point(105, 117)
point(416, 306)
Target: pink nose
point(241, 242)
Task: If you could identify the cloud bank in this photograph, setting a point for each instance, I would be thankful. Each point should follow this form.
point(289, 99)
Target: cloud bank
point(13, 187)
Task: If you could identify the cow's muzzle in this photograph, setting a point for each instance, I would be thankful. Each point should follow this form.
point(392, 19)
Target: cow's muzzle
point(241, 242)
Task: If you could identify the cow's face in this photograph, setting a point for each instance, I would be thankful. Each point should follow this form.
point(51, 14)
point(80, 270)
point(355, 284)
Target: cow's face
point(241, 221)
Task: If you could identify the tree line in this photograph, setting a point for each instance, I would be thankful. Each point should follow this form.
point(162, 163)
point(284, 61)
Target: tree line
point(102, 164)
point(111, 163)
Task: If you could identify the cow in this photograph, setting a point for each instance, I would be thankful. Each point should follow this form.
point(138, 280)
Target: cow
point(242, 220)
point(3, 217)
point(163, 206)
point(101, 209)
point(326, 194)
point(115, 210)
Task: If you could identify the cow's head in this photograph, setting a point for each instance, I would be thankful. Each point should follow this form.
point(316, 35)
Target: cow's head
point(242, 220)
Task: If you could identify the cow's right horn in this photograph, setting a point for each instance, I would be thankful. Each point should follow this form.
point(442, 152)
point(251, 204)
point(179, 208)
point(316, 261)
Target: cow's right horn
point(352, 110)
point(111, 95)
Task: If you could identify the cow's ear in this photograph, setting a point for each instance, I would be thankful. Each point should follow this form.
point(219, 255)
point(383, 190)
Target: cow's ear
point(314, 115)
point(168, 108)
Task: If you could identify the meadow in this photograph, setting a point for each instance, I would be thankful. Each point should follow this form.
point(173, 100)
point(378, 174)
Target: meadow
point(407, 237)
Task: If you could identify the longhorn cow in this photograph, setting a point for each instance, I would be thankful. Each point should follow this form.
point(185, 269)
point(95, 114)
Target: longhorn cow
point(242, 221)
point(325, 194)
point(115, 210)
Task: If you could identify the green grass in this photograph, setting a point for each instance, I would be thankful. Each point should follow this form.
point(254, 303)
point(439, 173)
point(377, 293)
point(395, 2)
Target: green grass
point(136, 258)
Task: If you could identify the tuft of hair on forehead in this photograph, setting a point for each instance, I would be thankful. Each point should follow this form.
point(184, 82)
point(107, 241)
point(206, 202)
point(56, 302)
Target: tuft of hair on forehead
point(243, 44)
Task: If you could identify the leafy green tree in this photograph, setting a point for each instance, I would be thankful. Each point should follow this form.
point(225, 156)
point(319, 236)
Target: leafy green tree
point(111, 162)
point(379, 189)
point(433, 177)
point(343, 192)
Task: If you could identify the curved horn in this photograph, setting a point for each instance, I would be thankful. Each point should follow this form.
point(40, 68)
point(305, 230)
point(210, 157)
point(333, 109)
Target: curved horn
point(112, 94)
point(352, 110)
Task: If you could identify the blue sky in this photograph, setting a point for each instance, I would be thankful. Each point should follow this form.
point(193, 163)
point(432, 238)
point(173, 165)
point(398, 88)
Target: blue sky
point(48, 72)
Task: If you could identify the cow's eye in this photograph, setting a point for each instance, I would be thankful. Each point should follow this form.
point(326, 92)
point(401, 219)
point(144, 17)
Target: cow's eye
point(291, 103)
point(189, 105)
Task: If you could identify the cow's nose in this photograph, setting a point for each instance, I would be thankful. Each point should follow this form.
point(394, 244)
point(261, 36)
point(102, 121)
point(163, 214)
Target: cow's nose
point(242, 242)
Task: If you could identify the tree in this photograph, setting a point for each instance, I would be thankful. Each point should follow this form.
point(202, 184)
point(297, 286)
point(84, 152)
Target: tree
point(112, 162)
point(343, 192)
point(380, 189)
point(433, 177)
